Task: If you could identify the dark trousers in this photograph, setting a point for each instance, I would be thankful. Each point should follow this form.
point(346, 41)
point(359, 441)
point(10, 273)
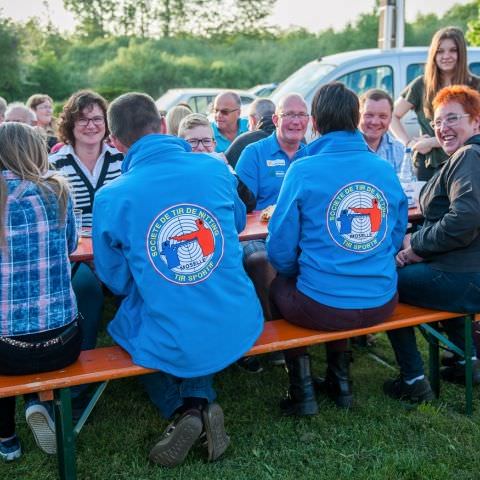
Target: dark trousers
point(420, 284)
point(35, 355)
point(301, 310)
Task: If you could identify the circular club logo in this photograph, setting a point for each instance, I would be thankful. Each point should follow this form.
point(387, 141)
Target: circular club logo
point(357, 217)
point(185, 244)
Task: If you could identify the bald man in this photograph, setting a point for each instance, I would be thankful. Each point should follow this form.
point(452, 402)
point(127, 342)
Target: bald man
point(262, 167)
point(227, 125)
point(18, 112)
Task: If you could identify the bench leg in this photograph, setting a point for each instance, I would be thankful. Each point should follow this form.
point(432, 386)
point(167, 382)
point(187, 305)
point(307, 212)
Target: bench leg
point(434, 364)
point(65, 435)
point(468, 364)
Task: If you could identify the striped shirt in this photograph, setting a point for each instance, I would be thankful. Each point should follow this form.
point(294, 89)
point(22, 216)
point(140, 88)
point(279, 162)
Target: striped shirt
point(36, 294)
point(83, 182)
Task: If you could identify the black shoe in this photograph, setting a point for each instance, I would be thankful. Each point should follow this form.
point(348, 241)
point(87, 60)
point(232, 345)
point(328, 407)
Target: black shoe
point(455, 373)
point(419, 392)
point(448, 358)
point(217, 438)
point(277, 359)
point(250, 364)
point(300, 399)
point(337, 384)
point(178, 439)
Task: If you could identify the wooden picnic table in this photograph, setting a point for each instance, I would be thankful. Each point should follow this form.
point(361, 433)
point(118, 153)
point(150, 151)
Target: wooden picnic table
point(255, 229)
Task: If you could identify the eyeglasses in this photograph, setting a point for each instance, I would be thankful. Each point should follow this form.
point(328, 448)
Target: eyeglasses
point(195, 142)
point(97, 121)
point(292, 115)
point(448, 121)
point(225, 111)
point(44, 107)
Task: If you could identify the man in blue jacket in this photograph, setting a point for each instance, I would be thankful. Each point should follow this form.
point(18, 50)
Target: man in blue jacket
point(165, 237)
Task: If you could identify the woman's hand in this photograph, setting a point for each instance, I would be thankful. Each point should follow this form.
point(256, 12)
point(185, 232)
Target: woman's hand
point(424, 144)
point(406, 257)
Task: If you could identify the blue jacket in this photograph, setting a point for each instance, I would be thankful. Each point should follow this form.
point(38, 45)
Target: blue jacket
point(165, 236)
point(340, 218)
point(262, 167)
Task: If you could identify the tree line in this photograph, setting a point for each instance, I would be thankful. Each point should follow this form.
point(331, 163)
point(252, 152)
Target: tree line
point(178, 47)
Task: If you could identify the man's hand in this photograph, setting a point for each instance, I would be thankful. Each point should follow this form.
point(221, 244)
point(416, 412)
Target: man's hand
point(406, 257)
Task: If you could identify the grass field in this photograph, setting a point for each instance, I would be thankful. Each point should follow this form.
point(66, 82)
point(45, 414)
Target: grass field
point(378, 439)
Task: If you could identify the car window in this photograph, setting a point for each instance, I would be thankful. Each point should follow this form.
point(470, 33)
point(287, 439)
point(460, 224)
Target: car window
point(374, 77)
point(246, 100)
point(475, 68)
point(414, 70)
point(201, 103)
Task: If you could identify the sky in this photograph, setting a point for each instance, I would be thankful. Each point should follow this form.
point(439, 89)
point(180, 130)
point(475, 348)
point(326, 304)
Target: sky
point(311, 14)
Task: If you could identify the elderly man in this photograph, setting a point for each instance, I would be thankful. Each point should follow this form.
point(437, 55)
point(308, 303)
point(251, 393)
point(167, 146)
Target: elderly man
point(260, 126)
point(172, 257)
point(227, 125)
point(262, 167)
point(376, 108)
point(3, 108)
point(18, 112)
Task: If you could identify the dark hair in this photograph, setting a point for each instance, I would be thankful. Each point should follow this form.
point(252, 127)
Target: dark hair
point(376, 95)
point(335, 108)
point(132, 116)
point(73, 109)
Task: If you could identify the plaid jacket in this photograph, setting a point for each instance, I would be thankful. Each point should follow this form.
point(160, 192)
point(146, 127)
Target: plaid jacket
point(35, 284)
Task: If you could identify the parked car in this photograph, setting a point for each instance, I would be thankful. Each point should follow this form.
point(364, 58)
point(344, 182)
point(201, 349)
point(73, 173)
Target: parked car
point(263, 89)
point(199, 99)
point(361, 70)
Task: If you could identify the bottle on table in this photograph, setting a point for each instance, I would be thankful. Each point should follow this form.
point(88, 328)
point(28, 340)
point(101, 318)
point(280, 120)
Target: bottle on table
point(407, 177)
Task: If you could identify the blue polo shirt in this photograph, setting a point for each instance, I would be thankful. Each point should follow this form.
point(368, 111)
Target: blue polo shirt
point(222, 142)
point(262, 167)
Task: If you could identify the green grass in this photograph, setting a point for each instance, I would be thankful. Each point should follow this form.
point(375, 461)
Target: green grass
point(379, 439)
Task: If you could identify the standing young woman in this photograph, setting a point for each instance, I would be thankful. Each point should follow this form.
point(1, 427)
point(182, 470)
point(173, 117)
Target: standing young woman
point(446, 65)
point(38, 311)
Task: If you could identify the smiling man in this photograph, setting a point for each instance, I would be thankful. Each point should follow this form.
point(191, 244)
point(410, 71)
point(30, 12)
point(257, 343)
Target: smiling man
point(227, 125)
point(376, 108)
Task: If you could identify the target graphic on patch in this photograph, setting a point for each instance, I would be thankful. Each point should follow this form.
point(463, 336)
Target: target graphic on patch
point(185, 244)
point(357, 217)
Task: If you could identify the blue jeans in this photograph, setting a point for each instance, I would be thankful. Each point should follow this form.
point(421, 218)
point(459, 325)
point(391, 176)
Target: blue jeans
point(168, 392)
point(421, 285)
point(89, 293)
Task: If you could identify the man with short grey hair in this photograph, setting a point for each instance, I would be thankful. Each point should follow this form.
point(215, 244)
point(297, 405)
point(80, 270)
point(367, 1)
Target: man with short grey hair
point(165, 236)
point(227, 125)
point(18, 112)
point(260, 126)
point(3, 107)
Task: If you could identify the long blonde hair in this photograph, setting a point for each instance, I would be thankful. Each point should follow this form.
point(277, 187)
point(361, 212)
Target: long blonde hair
point(432, 77)
point(23, 151)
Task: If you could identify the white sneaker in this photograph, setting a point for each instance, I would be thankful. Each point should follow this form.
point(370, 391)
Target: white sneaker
point(42, 425)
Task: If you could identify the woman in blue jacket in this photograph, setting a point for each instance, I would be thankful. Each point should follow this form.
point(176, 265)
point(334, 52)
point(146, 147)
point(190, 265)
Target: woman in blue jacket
point(340, 219)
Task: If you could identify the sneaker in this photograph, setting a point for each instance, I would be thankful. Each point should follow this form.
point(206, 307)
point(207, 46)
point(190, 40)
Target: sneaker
point(250, 364)
point(178, 439)
point(10, 449)
point(217, 438)
point(40, 421)
point(455, 373)
point(419, 392)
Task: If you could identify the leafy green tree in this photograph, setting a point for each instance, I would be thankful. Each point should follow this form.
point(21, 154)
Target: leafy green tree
point(11, 71)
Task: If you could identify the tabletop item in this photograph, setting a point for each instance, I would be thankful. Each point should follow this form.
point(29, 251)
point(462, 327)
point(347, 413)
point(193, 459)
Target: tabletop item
point(77, 213)
point(267, 213)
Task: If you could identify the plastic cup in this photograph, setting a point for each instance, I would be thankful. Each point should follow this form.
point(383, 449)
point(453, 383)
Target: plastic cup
point(77, 213)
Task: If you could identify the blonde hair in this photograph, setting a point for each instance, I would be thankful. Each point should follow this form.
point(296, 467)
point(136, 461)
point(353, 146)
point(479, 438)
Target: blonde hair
point(174, 117)
point(432, 77)
point(23, 152)
point(192, 121)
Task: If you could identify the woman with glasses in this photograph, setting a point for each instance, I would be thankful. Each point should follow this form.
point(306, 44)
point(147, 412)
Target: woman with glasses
point(439, 265)
point(446, 65)
point(88, 163)
point(42, 105)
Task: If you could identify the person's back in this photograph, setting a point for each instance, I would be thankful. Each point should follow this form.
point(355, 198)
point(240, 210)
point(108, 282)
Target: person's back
point(165, 238)
point(179, 294)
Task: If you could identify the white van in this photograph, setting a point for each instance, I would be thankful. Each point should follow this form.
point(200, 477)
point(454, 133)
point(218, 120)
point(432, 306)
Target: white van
point(360, 70)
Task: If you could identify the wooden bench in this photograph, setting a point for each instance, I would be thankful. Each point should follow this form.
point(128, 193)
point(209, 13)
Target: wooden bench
point(109, 363)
